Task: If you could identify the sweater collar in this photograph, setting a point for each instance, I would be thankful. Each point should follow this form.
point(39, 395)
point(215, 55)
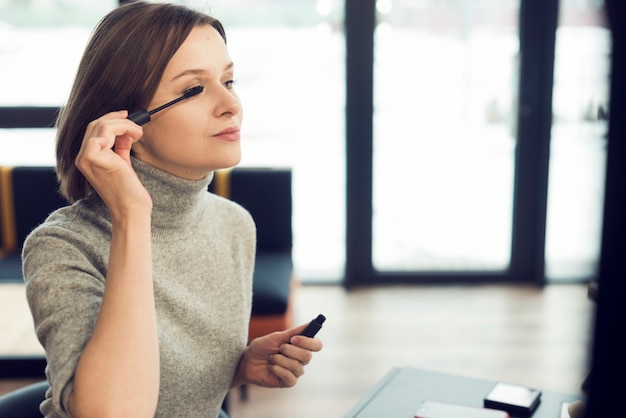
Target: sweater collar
point(175, 200)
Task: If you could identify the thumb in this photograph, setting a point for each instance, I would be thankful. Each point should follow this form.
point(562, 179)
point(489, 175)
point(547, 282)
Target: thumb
point(288, 333)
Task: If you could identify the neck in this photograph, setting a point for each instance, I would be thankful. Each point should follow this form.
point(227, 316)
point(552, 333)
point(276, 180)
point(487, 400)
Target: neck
point(175, 201)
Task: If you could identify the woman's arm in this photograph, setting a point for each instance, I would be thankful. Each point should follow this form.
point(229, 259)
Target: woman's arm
point(118, 371)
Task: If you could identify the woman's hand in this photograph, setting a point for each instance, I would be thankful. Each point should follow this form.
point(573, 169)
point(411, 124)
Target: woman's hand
point(277, 359)
point(104, 159)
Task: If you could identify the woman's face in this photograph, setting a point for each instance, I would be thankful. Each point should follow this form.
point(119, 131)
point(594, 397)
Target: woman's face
point(199, 134)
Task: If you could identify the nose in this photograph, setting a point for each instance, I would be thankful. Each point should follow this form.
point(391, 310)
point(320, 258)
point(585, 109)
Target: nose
point(228, 103)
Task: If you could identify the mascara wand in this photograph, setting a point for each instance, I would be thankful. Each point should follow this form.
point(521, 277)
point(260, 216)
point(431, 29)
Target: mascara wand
point(142, 116)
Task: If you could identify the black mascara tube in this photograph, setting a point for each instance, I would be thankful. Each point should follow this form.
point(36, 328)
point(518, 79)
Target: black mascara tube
point(314, 326)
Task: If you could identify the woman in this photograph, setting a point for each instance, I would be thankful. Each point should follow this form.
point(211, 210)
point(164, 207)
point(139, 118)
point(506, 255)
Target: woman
point(141, 289)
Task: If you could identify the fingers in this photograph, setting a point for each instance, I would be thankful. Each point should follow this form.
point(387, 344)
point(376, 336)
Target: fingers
point(285, 377)
point(295, 354)
point(293, 336)
point(109, 131)
point(279, 359)
point(104, 160)
point(301, 355)
point(286, 370)
point(288, 364)
point(310, 344)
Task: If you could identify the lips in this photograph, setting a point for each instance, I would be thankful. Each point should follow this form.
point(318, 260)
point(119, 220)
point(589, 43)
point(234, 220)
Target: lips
point(228, 134)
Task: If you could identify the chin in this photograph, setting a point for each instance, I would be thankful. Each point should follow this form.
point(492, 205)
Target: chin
point(234, 159)
point(227, 162)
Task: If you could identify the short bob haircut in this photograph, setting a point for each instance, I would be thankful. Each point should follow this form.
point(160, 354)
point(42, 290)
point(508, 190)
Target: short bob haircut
point(120, 70)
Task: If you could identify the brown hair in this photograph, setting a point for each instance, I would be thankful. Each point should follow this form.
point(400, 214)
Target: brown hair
point(120, 69)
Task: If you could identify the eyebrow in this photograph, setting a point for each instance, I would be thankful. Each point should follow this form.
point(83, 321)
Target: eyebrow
point(196, 71)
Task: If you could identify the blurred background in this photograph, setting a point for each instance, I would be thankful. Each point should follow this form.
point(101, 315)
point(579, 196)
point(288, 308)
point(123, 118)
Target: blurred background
point(431, 141)
point(444, 126)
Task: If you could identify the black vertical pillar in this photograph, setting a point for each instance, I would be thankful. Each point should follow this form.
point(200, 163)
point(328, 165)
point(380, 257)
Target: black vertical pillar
point(538, 22)
point(359, 22)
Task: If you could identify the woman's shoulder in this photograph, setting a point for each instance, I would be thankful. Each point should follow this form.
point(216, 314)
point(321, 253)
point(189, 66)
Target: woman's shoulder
point(73, 237)
point(227, 206)
point(79, 223)
point(229, 218)
point(85, 213)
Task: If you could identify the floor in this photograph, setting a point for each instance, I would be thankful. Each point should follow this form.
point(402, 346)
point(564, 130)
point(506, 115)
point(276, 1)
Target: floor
point(518, 334)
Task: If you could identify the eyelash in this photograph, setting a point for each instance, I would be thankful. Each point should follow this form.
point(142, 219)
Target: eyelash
point(191, 88)
point(228, 84)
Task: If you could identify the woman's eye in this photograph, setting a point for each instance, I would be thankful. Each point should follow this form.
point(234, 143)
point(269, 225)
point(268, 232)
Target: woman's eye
point(193, 90)
point(229, 84)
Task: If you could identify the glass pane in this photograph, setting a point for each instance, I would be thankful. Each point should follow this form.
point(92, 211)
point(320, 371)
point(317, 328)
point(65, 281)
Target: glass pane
point(289, 68)
point(445, 93)
point(41, 43)
point(40, 47)
point(578, 147)
point(31, 147)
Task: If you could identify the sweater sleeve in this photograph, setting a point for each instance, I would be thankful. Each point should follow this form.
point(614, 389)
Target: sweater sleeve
point(64, 278)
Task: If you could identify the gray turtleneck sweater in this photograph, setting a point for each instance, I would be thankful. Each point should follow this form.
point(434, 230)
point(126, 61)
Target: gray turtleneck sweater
point(203, 250)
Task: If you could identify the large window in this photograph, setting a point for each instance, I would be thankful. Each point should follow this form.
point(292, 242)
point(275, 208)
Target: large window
point(476, 174)
point(444, 139)
point(445, 170)
point(40, 46)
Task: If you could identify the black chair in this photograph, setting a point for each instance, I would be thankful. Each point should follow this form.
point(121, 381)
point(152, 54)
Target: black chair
point(28, 195)
point(24, 402)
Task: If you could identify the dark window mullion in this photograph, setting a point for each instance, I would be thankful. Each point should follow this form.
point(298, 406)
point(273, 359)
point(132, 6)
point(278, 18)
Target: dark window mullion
point(28, 117)
point(538, 23)
point(360, 20)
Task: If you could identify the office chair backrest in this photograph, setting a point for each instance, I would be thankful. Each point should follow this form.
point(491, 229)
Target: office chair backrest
point(24, 402)
point(266, 193)
point(35, 196)
point(27, 196)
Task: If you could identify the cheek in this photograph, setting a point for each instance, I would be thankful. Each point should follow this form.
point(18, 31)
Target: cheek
point(174, 131)
point(163, 143)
